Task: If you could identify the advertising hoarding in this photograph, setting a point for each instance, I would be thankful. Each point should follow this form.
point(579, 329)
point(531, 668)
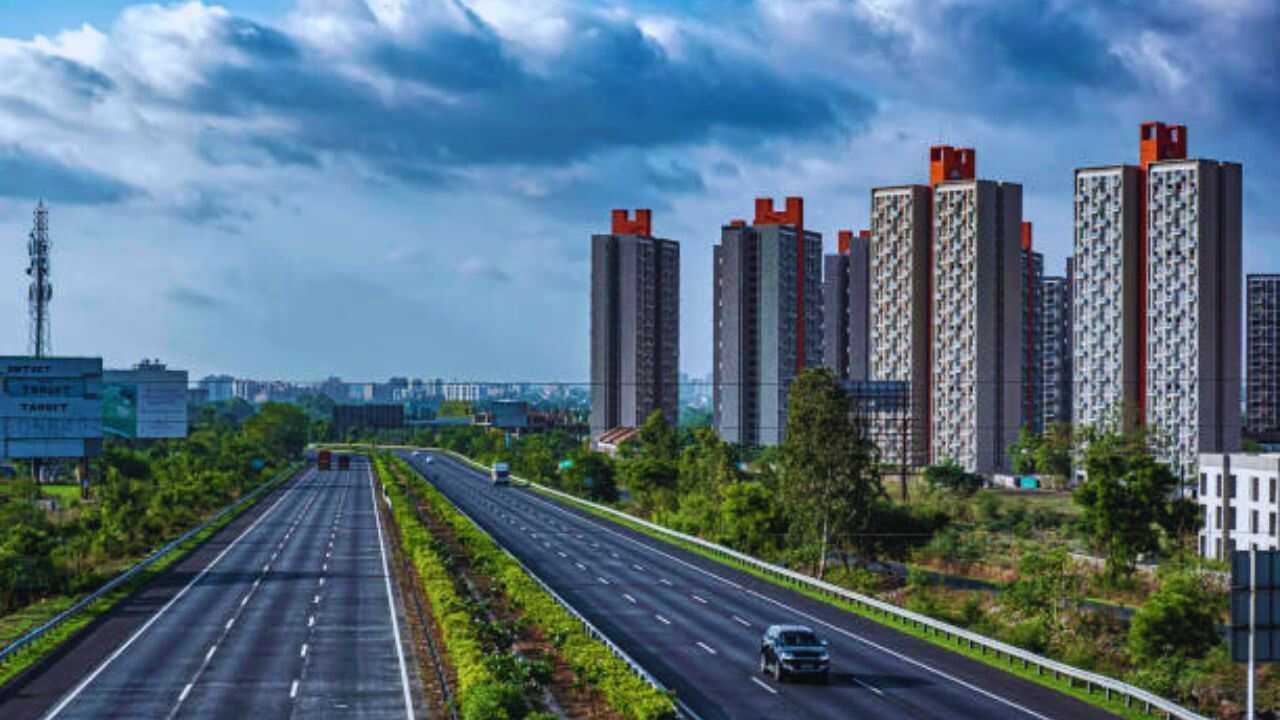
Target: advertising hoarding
point(50, 407)
point(145, 403)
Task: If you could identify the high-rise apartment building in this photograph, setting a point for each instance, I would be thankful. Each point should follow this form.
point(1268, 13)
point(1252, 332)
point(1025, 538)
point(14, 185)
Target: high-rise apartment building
point(1193, 274)
point(1106, 296)
point(1055, 313)
point(1032, 264)
point(1262, 389)
point(768, 319)
point(899, 260)
point(978, 317)
point(635, 324)
point(846, 306)
point(1157, 298)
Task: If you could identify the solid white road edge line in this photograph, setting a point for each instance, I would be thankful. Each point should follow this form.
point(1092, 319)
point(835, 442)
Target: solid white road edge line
point(391, 605)
point(71, 696)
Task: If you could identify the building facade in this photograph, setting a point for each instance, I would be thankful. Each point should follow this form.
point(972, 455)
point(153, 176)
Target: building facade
point(899, 259)
point(1055, 312)
point(767, 319)
point(1032, 264)
point(1237, 495)
point(978, 317)
point(846, 306)
point(1262, 389)
point(1193, 269)
point(1105, 297)
point(635, 324)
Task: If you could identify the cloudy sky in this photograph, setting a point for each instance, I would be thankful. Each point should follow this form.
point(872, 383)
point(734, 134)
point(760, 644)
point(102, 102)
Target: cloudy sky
point(293, 188)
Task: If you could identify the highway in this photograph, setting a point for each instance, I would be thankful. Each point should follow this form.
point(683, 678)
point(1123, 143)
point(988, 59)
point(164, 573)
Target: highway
point(294, 617)
point(696, 624)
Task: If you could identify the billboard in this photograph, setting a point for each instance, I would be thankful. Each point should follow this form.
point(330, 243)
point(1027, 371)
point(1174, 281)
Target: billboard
point(50, 407)
point(146, 402)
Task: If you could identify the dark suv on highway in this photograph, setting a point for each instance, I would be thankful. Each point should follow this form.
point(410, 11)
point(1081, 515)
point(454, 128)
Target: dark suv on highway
point(788, 650)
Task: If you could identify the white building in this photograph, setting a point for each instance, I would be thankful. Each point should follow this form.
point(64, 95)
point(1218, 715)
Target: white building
point(1238, 501)
point(978, 318)
point(1105, 295)
point(899, 298)
point(1194, 279)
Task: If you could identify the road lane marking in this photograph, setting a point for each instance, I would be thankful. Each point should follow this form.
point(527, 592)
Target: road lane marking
point(293, 690)
point(321, 582)
point(185, 691)
point(662, 620)
point(707, 647)
point(316, 599)
point(311, 621)
point(209, 654)
point(244, 600)
point(870, 687)
point(638, 567)
point(701, 600)
point(666, 582)
point(602, 580)
point(629, 598)
point(231, 622)
point(764, 685)
point(561, 554)
point(580, 566)
point(303, 651)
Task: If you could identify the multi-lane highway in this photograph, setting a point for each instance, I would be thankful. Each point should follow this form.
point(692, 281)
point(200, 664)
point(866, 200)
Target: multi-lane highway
point(696, 624)
point(294, 617)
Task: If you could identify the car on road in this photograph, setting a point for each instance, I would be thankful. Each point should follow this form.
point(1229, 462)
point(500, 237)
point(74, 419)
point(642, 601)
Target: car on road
point(500, 474)
point(793, 650)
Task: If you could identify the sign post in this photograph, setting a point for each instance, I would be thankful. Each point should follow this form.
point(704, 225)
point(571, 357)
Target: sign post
point(1255, 612)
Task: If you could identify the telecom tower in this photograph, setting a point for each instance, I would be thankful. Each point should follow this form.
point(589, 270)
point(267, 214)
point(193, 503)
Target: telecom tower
point(40, 292)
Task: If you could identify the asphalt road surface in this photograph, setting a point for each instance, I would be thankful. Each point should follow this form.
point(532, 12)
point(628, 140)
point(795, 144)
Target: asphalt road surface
point(293, 617)
point(696, 624)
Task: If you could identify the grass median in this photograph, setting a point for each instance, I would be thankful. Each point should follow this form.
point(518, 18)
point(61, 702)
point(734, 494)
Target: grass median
point(40, 648)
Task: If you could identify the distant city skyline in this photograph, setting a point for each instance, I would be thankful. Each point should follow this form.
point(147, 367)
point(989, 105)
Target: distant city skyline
point(217, 201)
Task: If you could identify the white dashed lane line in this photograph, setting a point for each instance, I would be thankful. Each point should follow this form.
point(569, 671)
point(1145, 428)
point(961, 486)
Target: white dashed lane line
point(662, 620)
point(742, 622)
point(764, 685)
point(699, 599)
point(629, 598)
point(706, 647)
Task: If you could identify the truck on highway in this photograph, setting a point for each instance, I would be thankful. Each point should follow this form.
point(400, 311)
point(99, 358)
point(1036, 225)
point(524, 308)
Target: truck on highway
point(344, 462)
point(500, 474)
point(324, 459)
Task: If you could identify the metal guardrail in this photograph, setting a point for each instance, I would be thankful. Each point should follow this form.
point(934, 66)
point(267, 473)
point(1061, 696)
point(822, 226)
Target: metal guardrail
point(36, 633)
point(587, 625)
point(1148, 701)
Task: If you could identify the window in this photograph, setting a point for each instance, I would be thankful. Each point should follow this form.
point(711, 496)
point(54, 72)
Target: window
point(1271, 525)
point(1217, 485)
point(1273, 490)
point(1253, 521)
point(1231, 519)
point(1231, 486)
point(1218, 519)
point(1253, 489)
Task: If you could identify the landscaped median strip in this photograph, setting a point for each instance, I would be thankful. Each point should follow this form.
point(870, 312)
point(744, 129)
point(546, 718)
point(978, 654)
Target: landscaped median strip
point(37, 644)
point(956, 643)
point(590, 660)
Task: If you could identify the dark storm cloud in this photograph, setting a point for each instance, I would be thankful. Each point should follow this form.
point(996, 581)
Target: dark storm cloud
point(611, 87)
point(25, 174)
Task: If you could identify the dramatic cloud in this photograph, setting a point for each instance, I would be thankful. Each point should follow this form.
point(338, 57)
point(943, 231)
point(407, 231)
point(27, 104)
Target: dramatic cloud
point(445, 161)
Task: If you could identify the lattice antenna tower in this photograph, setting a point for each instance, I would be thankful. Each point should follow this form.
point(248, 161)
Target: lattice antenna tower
point(40, 292)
